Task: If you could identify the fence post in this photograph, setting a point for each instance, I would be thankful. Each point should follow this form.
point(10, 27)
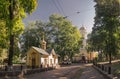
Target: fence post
point(109, 70)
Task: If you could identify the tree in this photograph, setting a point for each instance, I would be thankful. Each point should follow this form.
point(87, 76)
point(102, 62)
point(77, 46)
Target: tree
point(59, 34)
point(107, 20)
point(12, 12)
point(32, 35)
point(66, 37)
point(3, 35)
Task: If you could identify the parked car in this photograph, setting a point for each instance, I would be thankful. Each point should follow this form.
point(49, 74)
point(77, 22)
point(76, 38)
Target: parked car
point(66, 62)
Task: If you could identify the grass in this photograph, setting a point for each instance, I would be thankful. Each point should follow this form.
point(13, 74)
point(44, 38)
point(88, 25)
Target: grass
point(116, 69)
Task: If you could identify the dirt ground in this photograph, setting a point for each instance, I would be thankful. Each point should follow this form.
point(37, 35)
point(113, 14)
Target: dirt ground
point(67, 72)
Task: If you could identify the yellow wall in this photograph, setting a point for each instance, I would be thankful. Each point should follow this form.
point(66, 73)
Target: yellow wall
point(40, 59)
point(29, 58)
point(92, 55)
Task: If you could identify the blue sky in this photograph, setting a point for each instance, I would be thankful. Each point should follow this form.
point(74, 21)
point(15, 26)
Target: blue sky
point(66, 8)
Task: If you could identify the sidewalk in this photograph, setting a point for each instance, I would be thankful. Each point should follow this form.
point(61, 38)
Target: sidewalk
point(113, 61)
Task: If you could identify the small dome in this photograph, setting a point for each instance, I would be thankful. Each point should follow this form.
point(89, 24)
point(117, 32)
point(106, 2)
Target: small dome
point(82, 28)
point(43, 41)
point(43, 44)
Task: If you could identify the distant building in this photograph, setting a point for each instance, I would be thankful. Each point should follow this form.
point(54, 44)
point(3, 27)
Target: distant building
point(83, 52)
point(40, 57)
point(83, 33)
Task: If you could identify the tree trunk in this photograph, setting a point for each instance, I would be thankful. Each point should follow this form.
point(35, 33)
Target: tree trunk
point(11, 37)
point(11, 50)
point(110, 58)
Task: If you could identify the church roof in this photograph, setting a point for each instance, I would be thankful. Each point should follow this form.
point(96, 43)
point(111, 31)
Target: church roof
point(44, 52)
point(51, 51)
point(41, 51)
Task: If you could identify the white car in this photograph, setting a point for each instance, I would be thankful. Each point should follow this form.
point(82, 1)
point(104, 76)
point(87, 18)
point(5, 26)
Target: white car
point(66, 62)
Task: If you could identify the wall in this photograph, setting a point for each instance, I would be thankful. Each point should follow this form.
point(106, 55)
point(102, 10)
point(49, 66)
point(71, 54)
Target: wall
point(29, 58)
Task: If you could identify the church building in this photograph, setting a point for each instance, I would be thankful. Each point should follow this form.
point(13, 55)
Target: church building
point(41, 57)
point(83, 54)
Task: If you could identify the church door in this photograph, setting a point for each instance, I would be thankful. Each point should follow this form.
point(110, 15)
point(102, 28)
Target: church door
point(33, 60)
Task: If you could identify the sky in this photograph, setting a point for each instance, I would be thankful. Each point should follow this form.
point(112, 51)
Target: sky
point(79, 12)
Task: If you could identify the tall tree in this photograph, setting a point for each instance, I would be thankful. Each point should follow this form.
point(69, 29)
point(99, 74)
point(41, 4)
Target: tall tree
point(108, 20)
point(59, 34)
point(32, 35)
point(66, 37)
point(12, 12)
point(3, 35)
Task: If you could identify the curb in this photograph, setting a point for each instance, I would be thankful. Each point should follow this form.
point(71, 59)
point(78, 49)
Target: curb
point(108, 76)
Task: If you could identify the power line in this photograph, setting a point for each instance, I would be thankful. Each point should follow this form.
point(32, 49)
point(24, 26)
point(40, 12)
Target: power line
point(77, 12)
point(72, 14)
point(61, 7)
point(56, 6)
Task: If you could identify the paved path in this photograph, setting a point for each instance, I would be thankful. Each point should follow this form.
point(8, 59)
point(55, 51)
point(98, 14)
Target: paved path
point(62, 73)
point(90, 73)
point(68, 72)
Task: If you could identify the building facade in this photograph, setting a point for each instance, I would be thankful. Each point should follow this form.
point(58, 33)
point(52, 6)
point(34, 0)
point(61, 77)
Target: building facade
point(41, 57)
point(83, 55)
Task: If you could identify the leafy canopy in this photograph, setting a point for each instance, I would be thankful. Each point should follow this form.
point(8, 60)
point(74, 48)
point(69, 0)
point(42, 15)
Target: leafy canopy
point(106, 31)
point(59, 34)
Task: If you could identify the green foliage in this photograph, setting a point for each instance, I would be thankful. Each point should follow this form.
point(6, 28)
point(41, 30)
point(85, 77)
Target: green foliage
point(66, 36)
point(32, 35)
point(116, 68)
point(3, 35)
point(106, 31)
point(28, 5)
point(59, 34)
point(12, 12)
